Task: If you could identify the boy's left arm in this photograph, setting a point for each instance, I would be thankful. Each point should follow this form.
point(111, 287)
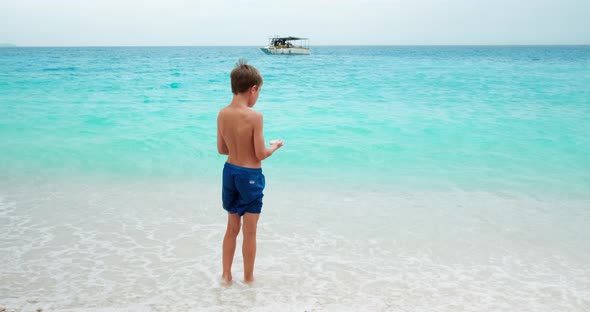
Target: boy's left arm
point(221, 146)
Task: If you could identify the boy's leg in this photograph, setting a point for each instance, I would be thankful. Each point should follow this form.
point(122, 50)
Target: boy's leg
point(249, 245)
point(229, 244)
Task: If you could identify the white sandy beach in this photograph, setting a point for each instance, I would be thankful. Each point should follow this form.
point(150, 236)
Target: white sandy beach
point(126, 246)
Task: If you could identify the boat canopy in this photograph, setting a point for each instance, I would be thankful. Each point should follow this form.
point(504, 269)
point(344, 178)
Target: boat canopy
point(287, 38)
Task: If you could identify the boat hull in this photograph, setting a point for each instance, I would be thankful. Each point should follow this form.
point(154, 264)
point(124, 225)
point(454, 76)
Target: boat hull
point(286, 51)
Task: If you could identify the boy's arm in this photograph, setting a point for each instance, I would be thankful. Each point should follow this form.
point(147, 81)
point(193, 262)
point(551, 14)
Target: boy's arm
point(221, 146)
point(262, 152)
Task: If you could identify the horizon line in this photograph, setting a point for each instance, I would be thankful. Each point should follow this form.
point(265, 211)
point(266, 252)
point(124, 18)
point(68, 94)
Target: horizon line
point(9, 45)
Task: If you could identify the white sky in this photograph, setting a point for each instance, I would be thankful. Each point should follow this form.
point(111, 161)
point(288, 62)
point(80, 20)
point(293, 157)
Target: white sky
point(325, 22)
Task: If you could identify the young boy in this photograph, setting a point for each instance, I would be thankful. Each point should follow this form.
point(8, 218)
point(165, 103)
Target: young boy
point(239, 135)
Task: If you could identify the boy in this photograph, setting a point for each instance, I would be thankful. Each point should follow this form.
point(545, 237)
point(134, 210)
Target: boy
point(239, 135)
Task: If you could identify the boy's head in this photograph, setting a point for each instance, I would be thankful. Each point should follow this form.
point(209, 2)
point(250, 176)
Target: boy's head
point(243, 77)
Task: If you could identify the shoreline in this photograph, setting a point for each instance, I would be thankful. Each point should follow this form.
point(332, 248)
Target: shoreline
point(153, 246)
point(281, 181)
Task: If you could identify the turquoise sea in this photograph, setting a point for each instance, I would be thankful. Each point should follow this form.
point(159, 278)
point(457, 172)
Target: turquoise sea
point(412, 179)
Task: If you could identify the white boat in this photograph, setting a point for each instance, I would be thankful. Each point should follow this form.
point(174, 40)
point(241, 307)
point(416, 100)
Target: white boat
point(287, 45)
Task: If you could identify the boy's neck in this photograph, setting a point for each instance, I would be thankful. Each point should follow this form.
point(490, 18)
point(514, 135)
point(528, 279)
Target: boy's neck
point(240, 100)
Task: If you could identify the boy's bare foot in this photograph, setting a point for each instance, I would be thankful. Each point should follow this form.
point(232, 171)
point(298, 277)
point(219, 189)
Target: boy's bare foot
point(226, 280)
point(249, 280)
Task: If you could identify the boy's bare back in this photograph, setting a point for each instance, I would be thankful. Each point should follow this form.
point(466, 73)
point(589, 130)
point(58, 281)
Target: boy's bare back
point(240, 129)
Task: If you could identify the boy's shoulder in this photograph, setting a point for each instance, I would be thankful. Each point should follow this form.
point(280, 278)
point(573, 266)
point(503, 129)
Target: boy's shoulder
point(247, 111)
point(249, 114)
point(255, 116)
point(255, 113)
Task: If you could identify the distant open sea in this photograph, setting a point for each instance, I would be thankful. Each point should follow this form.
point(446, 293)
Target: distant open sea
point(412, 179)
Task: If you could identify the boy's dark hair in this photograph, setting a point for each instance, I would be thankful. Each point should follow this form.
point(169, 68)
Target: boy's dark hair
point(244, 76)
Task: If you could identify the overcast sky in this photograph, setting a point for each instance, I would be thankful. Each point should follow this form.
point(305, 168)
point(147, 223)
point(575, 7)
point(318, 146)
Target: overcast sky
point(325, 22)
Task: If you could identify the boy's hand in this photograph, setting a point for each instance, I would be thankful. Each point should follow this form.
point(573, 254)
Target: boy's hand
point(276, 143)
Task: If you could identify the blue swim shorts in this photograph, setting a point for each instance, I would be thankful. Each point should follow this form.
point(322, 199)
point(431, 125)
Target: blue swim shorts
point(242, 189)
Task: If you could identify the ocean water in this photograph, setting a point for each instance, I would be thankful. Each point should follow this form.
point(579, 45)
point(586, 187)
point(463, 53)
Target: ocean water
point(412, 179)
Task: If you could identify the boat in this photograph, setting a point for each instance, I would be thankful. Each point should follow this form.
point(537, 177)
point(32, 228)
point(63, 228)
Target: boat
point(287, 45)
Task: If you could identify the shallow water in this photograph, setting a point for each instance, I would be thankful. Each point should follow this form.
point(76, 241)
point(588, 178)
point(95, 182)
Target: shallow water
point(155, 246)
point(477, 118)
